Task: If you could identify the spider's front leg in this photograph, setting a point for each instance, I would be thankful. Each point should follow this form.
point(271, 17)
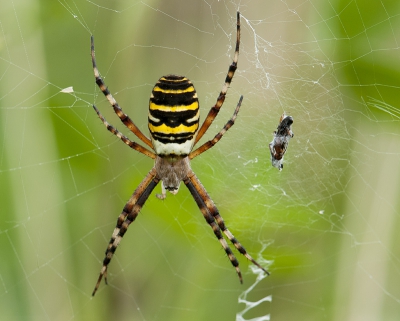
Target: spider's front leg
point(128, 215)
point(212, 216)
point(196, 193)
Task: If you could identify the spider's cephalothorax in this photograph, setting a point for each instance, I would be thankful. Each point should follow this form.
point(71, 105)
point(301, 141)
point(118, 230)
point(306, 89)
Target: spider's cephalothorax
point(174, 130)
point(173, 116)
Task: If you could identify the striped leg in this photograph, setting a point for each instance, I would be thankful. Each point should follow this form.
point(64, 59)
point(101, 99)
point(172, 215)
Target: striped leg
point(211, 143)
point(125, 139)
point(128, 215)
point(221, 98)
point(212, 209)
point(211, 221)
point(118, 110)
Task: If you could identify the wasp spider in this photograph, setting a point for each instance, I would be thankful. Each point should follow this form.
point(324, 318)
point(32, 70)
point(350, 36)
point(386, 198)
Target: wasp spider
point(173, 122)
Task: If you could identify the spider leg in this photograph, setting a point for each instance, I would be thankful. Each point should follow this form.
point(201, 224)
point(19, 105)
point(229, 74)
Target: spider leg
point(211, 143)
point(213, 210)
point(128, 215)
point(196, 193)
point(117, 109)
point(221, 98)
point(122, 137)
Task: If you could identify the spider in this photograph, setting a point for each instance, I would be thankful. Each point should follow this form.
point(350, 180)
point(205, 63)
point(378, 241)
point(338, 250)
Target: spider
point(173, 122)
point(280, 143)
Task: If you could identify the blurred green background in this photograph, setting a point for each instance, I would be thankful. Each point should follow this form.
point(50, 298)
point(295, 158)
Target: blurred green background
point(326, 226)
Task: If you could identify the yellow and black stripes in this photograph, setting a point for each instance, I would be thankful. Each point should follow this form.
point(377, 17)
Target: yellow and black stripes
point(173, 115)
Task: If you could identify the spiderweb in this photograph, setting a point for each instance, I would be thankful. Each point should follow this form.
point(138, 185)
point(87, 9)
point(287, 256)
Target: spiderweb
point(325, 226)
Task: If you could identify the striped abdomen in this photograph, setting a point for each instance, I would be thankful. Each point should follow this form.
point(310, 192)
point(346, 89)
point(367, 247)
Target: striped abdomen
point(173, 116)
